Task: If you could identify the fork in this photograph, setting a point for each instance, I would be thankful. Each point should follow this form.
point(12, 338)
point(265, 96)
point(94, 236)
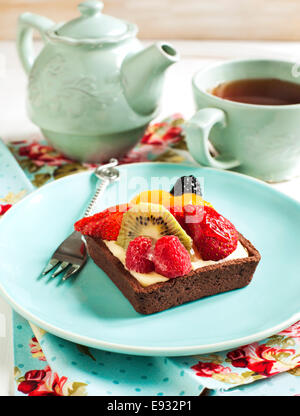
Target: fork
point(71, 255)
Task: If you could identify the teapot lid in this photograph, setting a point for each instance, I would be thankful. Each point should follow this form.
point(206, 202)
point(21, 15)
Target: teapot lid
point(94, 27)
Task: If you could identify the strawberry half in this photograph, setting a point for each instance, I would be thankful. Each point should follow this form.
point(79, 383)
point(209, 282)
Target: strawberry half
point(188, 214)
point(105, 225)
point(215, 236)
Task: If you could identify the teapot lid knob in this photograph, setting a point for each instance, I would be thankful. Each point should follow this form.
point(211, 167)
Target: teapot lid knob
point(93, 27)
point(90, 7)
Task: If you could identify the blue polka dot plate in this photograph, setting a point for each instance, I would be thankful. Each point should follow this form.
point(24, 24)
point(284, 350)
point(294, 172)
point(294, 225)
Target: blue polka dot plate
point(90, 310)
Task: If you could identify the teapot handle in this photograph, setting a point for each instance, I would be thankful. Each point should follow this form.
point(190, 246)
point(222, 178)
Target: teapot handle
point(28, 22)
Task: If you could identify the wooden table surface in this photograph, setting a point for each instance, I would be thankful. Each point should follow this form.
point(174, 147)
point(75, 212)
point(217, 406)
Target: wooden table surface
point(177, 97)
point(176, 19)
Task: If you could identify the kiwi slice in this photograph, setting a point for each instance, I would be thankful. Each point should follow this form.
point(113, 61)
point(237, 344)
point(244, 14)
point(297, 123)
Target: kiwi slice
point(150, 220)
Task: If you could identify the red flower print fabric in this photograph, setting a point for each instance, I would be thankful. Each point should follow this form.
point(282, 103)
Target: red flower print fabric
point(4, 208)
point(42, 383)
point(277, 354)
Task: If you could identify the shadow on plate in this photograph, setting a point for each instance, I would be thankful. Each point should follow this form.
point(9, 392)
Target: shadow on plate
point(98, 292)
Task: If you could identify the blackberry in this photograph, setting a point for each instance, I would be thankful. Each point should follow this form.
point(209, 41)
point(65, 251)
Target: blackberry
point(186, 185)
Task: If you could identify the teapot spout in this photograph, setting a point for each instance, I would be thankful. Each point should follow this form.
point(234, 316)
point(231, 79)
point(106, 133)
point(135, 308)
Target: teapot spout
point(143, 74)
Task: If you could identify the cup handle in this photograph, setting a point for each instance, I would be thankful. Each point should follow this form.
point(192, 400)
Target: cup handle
point(197, 131)
point(28, 22)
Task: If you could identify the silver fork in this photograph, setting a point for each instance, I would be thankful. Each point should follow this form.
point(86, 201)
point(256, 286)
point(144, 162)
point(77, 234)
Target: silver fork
point(71, 255)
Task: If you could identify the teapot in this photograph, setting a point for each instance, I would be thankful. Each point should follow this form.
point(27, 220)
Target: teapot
point(93, 88)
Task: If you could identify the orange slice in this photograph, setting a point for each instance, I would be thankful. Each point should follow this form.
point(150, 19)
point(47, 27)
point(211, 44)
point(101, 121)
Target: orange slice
point(154, 197)
point(186, 199)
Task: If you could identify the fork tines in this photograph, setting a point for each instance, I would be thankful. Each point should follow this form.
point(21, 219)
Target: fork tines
point(62, 266)
point(69, 257)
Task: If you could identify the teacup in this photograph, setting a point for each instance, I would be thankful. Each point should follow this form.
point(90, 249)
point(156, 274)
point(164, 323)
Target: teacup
point(259, 140)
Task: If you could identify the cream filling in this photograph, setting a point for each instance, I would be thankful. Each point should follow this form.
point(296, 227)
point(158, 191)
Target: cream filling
point(147, 279)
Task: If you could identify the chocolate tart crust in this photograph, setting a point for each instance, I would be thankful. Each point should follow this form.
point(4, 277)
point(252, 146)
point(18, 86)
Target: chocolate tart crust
point(205, 281)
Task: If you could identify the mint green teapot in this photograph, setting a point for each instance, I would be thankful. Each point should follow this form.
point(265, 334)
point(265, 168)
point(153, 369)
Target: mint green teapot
point(93, 88)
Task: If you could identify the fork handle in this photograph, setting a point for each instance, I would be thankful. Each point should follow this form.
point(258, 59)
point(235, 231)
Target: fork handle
point(106, 173)
point(101, 187)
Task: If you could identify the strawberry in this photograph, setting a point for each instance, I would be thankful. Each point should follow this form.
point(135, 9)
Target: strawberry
point(188, 214)
point(105, 225)
point(171, 258)
point(117, 208)
point(138, 255)
point(215, 236)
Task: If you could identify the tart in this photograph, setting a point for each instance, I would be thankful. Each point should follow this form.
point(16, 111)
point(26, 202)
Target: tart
point(164, 255)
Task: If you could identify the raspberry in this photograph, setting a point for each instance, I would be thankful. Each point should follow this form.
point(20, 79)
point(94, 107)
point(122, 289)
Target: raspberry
point(171, 258)
point(215, 236)
point(105, 224)
point(138, 255)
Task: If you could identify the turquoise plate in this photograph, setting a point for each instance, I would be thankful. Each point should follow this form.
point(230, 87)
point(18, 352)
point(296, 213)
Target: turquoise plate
point(90, 310)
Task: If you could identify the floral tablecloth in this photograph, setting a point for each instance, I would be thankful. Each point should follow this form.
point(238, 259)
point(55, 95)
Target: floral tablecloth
point(48, 365)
